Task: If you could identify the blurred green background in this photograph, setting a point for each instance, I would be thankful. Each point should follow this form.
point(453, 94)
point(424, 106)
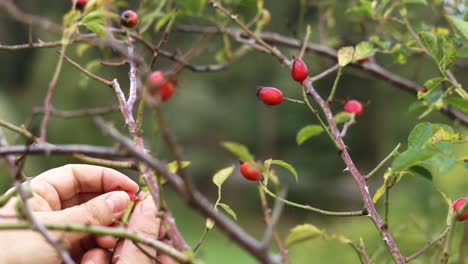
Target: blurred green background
point(212, 107)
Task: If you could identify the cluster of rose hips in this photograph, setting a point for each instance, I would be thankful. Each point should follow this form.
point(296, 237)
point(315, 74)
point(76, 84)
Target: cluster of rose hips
point(299, 72)
point(128, 18)
point(273, 96)
point(158, 82)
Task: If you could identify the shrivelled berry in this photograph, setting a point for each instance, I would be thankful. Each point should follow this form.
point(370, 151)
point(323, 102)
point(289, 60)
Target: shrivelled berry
point(79, 4)
point(250, 171)
point(457, 205)
point(299, 70)
point(270, 95)
point(159, 84)
point(132, 196)
point(128, 18)
point(354, 106)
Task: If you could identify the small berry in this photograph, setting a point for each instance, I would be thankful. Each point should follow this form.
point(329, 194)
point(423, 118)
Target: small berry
point(457, 205)
point(166, 90)
point(79, 4)
point(250, 171)
point(362, 61)
point(132, 196)
point(354, 106)
point(270, 95)
point(157, 83)
point(299, 70)
point(128, 18)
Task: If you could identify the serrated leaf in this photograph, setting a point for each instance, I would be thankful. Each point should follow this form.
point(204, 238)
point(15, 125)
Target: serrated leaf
point(458, 103)
point(460, 25)
point(287, 166)
point(345, 56)
point(209, 224)
point(421, 171)
point(302, 233)
point(410, 158)
point(172, 166)
point(228, 210)
point(420, 135)
point(364, 49)
point(221, 176)
point(343, 117)
point(239, 150)
point(307, 132)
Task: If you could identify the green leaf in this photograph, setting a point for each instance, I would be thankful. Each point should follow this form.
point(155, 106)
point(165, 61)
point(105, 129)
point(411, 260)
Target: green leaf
point(442, 163)
point(165, 19)
point(302, 233)
point(364, 49)
point(287, 166)
point(420, 2)
point(420, 135)
point(307, 132)
point(460, 25)
point(221, 176)
point(421, 171)
point(239, 150)
point(172, 167)
point(343, 117)
point(433, 83)
point(345, 56)
point(94, 16)
point(441, 48)
point(97, 28)
point(228, 210)
point(410, 158)
point(458, 103)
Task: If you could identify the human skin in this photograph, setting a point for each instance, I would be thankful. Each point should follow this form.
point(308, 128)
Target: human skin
point(80, 194)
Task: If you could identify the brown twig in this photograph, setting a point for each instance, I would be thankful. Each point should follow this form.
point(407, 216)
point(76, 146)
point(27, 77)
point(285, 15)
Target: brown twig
point(48, 149)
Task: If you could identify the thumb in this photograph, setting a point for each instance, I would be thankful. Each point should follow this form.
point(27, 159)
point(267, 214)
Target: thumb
point(101, 210)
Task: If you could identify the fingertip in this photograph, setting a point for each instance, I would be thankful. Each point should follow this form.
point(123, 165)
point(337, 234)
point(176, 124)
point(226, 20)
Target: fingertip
point(107, 242)
point(96, 256)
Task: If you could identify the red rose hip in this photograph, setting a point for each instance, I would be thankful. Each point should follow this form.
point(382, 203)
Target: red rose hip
point(128, 18)
point(354, 106)
point(79, 4)
point(299, 70)
point(158, 83)
point(457, 205)
point(250, 171)
point(270, 95)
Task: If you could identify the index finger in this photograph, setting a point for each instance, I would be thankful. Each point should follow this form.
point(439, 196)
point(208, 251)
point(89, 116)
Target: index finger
point(71, 180)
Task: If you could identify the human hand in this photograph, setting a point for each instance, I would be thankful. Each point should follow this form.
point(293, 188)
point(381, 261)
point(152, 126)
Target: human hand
point(145, 222)
point(72, 194)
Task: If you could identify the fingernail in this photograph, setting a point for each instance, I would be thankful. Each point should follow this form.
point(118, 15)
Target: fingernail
point(90, 262)
point(117, 202)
